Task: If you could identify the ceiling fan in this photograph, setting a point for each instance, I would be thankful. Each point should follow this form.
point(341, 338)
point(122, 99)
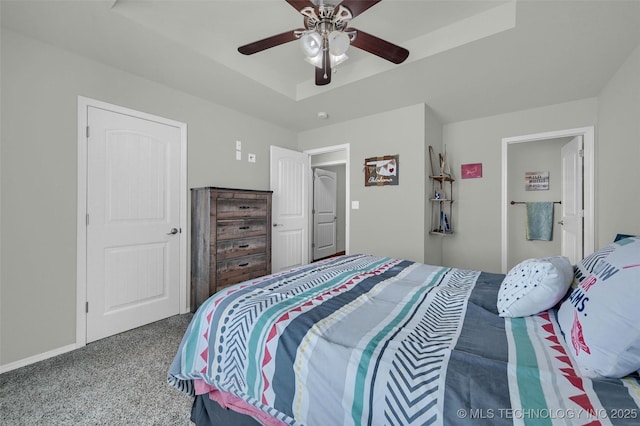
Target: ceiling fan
point(326, 36)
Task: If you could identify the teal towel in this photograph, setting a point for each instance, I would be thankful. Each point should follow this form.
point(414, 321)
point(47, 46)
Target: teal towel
point(540, 221)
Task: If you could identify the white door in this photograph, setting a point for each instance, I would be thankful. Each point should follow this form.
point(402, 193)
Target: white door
point(572, 203)
point(324, 213)
point(290, 172)
point(133, 222)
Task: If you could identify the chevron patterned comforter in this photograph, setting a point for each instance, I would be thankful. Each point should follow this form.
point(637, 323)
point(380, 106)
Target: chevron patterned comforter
point(365, 340)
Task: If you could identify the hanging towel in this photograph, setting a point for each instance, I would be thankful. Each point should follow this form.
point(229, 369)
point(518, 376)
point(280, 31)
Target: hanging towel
point(540, 221)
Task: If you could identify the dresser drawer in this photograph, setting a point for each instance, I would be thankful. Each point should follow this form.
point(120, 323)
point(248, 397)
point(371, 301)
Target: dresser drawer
point(241, 207)
point(228, 249)
point(241, 228)
point(232, 271)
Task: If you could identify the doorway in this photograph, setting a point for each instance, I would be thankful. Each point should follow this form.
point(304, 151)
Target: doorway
point(131, 255)
point(328, 211)
point(291, 183)
point(334, 159)
point(552, 143)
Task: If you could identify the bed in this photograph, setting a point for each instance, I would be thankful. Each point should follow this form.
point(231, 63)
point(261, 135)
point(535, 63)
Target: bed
point(361, 339)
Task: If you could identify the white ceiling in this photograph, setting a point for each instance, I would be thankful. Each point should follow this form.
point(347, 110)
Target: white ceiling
point(468, 59)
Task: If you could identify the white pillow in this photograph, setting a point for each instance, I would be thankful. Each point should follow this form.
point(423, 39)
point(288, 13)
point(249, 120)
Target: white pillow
point(600, 320)
point(534, 285)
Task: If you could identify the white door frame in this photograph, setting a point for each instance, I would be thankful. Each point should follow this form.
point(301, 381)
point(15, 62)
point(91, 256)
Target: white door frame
point(81, 252)
point(324, 150)
point(588, 136)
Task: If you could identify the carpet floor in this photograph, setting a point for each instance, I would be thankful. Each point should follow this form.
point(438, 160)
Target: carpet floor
point(120, 380)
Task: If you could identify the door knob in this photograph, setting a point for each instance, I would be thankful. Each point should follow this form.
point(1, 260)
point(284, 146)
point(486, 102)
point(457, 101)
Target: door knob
point(277, 224)
point(173, 231)
point(561, 222)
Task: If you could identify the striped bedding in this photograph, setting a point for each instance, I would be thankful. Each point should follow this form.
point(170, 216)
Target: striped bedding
point(366, 340)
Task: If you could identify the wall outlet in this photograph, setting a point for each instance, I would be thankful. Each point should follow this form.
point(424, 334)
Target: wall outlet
point(238, 155)
point(251, 158)
point(238, 145)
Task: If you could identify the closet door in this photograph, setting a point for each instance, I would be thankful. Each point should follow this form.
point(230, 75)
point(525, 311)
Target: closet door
point(133, 222)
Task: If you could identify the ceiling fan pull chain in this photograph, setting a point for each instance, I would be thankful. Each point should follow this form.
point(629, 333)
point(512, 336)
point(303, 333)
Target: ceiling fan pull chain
point(325, 57)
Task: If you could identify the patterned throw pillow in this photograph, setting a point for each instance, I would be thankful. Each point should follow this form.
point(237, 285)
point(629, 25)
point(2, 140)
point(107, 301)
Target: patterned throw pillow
point(600, 319)
point(534, 285)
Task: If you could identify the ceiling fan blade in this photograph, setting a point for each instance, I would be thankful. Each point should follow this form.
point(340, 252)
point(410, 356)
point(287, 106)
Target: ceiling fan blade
point(323, 75)
point(266, 43)
point(300, 4)
point(356, 7)
point(379, 47)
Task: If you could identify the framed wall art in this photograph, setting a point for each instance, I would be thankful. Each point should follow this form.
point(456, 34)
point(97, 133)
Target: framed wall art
point(470, 171)
point(380, 171)
point(536, 181)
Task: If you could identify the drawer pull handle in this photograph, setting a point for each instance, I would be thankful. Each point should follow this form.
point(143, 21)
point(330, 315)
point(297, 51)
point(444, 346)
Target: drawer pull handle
point(244, 207)
point(243, 246)
point(244, 227)
point(243, 264)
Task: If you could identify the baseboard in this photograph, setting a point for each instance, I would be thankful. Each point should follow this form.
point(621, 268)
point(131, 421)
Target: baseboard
point(36, 358)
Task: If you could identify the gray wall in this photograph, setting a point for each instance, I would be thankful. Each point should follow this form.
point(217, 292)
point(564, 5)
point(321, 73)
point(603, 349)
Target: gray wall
point(477, 241)
point(40, 86)
point(524, 157)
point(390, 220)
point(615, 113)
point(618, 154)
point(433, 136)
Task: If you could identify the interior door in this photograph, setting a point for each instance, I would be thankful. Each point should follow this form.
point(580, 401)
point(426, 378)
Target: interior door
point(133, 222)
point(324, 213)
point(572, 200)
point(290, 172)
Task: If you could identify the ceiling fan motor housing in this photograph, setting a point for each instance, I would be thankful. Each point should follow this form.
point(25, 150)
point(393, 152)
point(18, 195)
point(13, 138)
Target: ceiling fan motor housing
point(327, 19)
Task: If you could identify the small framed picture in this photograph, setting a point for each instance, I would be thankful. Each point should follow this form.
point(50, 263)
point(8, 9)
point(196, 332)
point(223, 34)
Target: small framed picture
point(536, 181)
point(379, 171)
point(470, 171)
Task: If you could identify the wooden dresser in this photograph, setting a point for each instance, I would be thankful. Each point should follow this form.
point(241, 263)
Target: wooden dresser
point(230, 239)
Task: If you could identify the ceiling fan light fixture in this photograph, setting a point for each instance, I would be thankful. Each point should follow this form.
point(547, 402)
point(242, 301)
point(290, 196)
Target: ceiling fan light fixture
point(311, 43)
point(316, 61)
point(339, 42)
point(326, 36)
point(338, 59)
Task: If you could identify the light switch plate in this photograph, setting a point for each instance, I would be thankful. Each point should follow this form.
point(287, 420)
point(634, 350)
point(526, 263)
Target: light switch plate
point(355, 205)
point(238, 145)
point(238, 155)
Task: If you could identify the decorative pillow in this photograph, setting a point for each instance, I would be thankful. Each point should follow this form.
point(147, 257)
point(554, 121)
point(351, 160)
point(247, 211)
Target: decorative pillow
point(584, 268)
point(534, 285)
point(600, 319)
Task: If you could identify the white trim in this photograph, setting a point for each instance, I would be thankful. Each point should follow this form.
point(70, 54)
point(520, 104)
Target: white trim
point(81, 255)
point(37, 358)
point(347, 161)
point(588, 135)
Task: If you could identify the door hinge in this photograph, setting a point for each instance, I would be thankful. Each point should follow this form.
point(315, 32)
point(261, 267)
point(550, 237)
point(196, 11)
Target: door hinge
point(86, 307)
point(87, 219)
point(581, 153)
point(88, 132)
